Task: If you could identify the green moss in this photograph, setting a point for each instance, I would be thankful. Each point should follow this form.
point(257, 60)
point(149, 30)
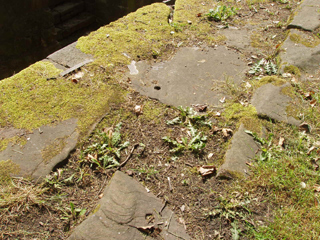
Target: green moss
point(14, 140)
point(310, 42)
point(152, 112)
point(28, 100)
point(6, 169)
point(257, 40)
point(54, 148)
point(270, 79)
point(293, 70)
point(289, 91)
point(236, 111)
point(138, 35)
point(252, 124)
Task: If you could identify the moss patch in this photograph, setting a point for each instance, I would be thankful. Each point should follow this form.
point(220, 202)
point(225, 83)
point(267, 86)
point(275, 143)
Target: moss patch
point(14, 140)
point(6, 169)
point(289, 91)
point(152, 112)
point(138, 35)
point(293, 70)
point(310, 41)
point(252, 124)
point(28, 100)
point(237, 111)
point(276, 81)
point(53, 149)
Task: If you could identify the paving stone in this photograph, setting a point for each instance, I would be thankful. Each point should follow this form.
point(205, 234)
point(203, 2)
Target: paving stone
point(297, 54)
point(238, 38)
point(192, 76)
point(126, 206)
point(307, 16)
point(69, 56)
point(271, 103)
point(45, 148)
point(243, 149)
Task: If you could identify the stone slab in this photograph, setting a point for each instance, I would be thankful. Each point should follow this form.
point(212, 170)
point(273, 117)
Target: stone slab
point(271, 103)
point(56, 142)
point(192, 76)
point(297, 54)
point(124, 208)
point(307, 16)
point(238, 38)
point(243, 149)
point(69, 56)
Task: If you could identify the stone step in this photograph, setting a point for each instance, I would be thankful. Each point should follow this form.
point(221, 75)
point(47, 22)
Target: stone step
point(67, 10)
point(74, 24)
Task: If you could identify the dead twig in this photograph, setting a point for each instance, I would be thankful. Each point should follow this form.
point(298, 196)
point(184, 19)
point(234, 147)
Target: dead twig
point(129, 156)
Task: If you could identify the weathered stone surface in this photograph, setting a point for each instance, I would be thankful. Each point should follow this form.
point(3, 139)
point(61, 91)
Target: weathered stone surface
point(308, 16)
point(243, 149)
point(271, 103)
point(124, 208)
point(45, 148)
point(192, 76)
point(69, 56)
point(238, 38)
point(299, 55)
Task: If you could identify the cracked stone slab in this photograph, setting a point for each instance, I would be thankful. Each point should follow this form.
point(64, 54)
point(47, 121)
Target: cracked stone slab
point(299, 55)
point(307, 16)
point(192, 76)
point(69, 57)
point(45, 148)
point(124, 208)
point(238, 38)
point(271, 103)
point(243, 149)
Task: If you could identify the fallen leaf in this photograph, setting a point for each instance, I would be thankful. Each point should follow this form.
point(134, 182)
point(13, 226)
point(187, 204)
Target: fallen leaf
point(78, 75)
point(249, 164)
point(199, 14)
point(215, 129)
point(222, 100)
point(210, 155)
point(281, 142)
point(304, 127)
point(206, 170)
point(138, 110)
point(313, 102)
point(310, 150)
point(227, 132)
point(149, 230)
point(294, 80)
point(218, 114)
point(248, 85)
point(316, 188)
point(74, 80)
point(200, 107)
point(202, 61)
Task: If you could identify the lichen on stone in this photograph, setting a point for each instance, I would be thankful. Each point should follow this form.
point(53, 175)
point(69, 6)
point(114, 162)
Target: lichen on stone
point(310, 41)
point(7, 167)
point(293, 70)
point(274, 80)
point(54, 148)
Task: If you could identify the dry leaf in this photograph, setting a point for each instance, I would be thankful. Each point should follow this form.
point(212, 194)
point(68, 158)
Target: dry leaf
point(200, 107)
point(316, 188)
point(249, 164)
point(310, 150)
point(74, 80)
point(138, 110)
point(199, 14)
point(222, 100)
point(215, 129)
point(304, 127)
point(78, 75)
point(210, 155)
point(313, 102)
point(227, 132)
point(218, 114)
point(281, 142)
point(206, 170)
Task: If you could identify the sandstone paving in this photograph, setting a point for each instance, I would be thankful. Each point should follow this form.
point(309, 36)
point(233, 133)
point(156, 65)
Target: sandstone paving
point(307, 16)
point(243, 149)
point(192, 76)
point(271, 103)
point(45, 148)
point(124, 213)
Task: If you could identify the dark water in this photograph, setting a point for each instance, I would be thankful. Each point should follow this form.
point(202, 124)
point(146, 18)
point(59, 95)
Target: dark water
point(28, 34)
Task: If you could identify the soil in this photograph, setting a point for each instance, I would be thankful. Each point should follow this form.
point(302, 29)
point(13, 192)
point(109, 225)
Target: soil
point(192, 197)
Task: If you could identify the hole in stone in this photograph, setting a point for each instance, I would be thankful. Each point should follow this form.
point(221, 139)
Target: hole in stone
point(157, 87)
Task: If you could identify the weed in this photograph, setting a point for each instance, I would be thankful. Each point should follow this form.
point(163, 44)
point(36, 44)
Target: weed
point(221, 13)
point(105, 153)
point(264, 67)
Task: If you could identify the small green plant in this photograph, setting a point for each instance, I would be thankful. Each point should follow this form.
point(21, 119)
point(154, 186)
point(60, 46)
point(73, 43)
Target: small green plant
point(264, 67)
point(221, 13)
point(106, 152)
point(73, 213)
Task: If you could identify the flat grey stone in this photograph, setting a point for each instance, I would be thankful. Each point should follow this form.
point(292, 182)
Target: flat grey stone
point(238, 38)
point(124, 208)
point(243, 149)
point(307, 16)
point(297, 54)
point(192, 76)
point(271, 103)
point(45, 148)
point(69, 56)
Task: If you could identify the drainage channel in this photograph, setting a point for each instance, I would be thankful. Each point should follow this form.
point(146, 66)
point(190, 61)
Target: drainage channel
point(33, 30)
